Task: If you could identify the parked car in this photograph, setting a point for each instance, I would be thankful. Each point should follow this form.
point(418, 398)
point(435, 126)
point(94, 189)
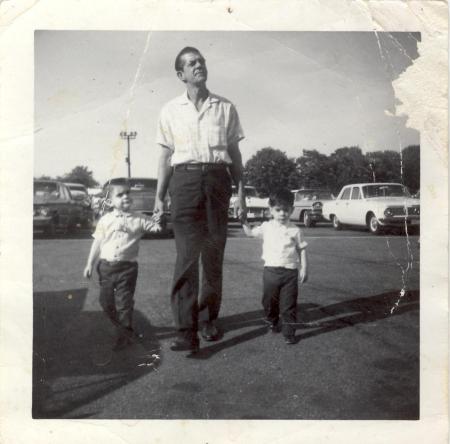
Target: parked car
point(80, 193)
point(374, 205)
point(257, 207)
point(142, 193)
point(308, 205)
point(54, 207)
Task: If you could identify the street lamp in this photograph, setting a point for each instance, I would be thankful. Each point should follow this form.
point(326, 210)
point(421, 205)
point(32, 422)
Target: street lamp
point(128, 136)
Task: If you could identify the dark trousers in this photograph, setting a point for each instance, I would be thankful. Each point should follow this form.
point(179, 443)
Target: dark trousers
point(199, 209)
point(280, 295)
point(117, 285)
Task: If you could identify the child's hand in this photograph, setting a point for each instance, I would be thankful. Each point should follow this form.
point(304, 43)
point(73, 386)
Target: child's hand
point(156, 228)
point(87, 271)
point(243, 218)
point(303, 275)
point(157, 216)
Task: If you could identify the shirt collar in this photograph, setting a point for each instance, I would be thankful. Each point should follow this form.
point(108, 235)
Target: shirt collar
point(184, 99)
point(118, 213)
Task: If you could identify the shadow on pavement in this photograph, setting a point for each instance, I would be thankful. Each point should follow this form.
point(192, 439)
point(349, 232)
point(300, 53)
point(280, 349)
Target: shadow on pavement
point(73, 363)
point(319, 319)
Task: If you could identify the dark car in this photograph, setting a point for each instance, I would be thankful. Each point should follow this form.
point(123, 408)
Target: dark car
point(54, 207)
point(142, 193)
point(308, 205)
point(80, 193)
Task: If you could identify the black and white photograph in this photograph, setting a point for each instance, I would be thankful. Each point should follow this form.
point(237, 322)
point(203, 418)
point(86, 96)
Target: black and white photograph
point(224, 222)
point(226, 226)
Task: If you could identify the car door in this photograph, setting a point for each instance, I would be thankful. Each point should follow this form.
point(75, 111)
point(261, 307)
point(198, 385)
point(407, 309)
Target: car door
point(355, 209)
point(75, 208)
point(342, 206)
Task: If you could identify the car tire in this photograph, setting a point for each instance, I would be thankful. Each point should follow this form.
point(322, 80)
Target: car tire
point(86, 223)
point(50, 231)
point(374, 224)
point(336, 223)
point(308, 221)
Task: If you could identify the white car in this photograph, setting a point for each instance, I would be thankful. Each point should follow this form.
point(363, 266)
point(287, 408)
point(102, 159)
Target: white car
point(373, 205)
point(257, 207)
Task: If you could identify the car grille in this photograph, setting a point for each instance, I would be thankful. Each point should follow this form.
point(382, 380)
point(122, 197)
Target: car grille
point(400, 211)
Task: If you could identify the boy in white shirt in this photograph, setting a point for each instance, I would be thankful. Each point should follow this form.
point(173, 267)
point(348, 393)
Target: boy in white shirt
point(116, 244)
point(285, 263)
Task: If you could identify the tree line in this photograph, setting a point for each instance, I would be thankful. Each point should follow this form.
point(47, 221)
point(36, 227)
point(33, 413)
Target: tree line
point(79, 174)
point(271, 168)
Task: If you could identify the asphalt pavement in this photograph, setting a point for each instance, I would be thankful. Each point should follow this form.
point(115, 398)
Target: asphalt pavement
point(356, 356)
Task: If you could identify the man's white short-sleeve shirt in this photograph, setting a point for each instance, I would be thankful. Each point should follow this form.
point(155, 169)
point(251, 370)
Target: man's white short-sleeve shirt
point(281, 244)
point(199, 136)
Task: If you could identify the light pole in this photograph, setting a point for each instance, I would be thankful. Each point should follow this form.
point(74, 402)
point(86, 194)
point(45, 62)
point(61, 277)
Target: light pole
point(372, 167)
point(128, 136)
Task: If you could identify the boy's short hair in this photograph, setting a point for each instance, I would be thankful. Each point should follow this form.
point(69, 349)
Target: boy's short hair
point(179, 59)
point(282, 197)
point(109, 189)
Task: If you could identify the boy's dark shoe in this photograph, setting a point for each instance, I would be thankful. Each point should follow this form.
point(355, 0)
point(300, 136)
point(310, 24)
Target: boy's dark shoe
point(290, 340)
point(133, 335)
point(273, 326)
point(185, 344)
point(210, 332)
point(121, 343)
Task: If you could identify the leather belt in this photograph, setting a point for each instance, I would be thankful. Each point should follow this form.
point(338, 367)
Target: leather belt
point(200, 166)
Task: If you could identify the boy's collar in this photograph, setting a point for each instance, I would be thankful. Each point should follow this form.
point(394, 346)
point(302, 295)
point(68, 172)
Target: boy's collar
point(118, 213)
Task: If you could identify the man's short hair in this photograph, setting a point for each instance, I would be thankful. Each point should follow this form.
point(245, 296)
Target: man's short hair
point(179, 59)
point(282, 198)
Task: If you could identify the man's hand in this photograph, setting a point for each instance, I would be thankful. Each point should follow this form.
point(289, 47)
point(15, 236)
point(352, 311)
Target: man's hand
point(241, 209)
point(303, 275)
point(158, 210)
point(88, 271)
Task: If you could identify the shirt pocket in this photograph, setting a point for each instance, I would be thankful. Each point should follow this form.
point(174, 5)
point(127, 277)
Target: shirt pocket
point(217, 138)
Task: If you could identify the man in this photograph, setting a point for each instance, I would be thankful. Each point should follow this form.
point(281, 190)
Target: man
point(199, 134)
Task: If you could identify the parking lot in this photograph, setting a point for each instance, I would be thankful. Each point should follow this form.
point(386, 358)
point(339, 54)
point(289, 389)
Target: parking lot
point(357, 355)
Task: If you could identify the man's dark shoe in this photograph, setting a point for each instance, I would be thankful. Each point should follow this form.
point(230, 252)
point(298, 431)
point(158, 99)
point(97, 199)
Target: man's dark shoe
point(290, 340)
point(210, 332)
point(185, 344)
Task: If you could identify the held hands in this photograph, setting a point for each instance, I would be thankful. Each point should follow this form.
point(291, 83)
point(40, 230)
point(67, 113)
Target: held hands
point(157, 218)
point(241, 209)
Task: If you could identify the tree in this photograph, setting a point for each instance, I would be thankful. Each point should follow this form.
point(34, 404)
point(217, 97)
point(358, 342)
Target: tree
point(315, 170)
point(80, 174)
point(270, 169)
point(349, 166)
point(44, 177)
point(411, 167)
point(385, 165)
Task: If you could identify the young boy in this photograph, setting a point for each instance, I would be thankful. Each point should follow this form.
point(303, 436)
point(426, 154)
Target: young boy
point(285, 263)
point(116, 244)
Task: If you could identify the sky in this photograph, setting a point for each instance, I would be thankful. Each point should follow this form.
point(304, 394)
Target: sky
point(292, 90)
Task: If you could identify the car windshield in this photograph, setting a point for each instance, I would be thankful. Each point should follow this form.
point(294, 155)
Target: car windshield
point(137, 183)
point(41, 188)
point(77, 188)
point(395, 190)
point(313, 195)
point(249, 191)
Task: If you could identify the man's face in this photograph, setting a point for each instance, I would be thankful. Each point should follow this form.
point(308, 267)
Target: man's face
point(120, 198)
point(194, 70)
point(281, 213)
